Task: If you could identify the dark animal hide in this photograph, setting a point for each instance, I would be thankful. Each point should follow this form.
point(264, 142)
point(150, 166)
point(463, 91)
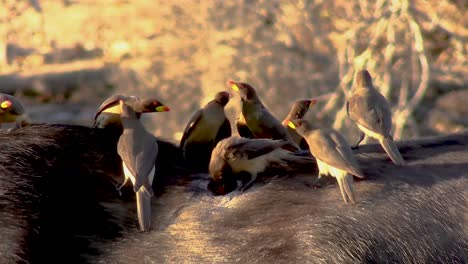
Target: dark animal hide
point(58, 203)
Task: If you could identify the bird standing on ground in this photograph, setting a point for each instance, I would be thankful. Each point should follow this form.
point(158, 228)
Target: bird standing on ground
point(258, 119)
point(108, 113)
point(333, 154)
point(236, 155)
point(205, 128)
point(370, 111)
point(138, 150)
point(11, 110)
point(298, 110)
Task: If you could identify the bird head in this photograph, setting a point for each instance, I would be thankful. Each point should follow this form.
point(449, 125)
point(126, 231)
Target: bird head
point(223, 98)
point(299, 109)
point(363, 79)
point(245, 90)
point(153, 105)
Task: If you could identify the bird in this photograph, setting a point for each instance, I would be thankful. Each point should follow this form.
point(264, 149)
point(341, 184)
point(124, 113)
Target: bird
point(242, 128)
point(108, 113)
point(12, 111)
point(138, 150)
point(258, 119)
point(298, 110)
point(205, 128)
point(236, 155)
point(333, 155)
point(371, 112)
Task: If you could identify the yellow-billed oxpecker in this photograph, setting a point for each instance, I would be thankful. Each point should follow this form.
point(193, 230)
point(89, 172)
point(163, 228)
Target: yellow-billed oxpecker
point(138, 150)
point(235, 155)
point(258, 119)
point(242, 128)
point(371, 112)
point(205, 128)
point(298, 110)
point(11, 110)
point(108, 113)
point(333, 154)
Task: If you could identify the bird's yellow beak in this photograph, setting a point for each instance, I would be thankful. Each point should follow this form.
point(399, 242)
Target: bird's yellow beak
point(233, 85)
point(291, 125)
point(162, 108)
point(5, 104)
point(313, 102)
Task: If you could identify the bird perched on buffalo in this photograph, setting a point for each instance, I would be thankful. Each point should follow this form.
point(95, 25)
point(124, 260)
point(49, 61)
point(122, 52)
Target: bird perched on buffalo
point(235, 156)
point(298, 110)
point(108, 113)
point(205, 128)
point(258, 119)
point(11, 110)
point(138, 150)
point(370, 111)
point(333, 154)
point(242, 128)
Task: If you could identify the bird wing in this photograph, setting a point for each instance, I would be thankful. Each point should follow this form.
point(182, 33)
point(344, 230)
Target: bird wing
point(113, 100)
point(331, 148)
point(252, 148)
point(346, 153)
point(269, 126)
point(224, 131)
point(192, 123)
point(145, 162)
point(242, 128)
point(371, 112)
point(139, 155)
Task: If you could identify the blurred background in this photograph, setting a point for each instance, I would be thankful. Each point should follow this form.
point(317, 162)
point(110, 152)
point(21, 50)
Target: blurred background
point(62, 58)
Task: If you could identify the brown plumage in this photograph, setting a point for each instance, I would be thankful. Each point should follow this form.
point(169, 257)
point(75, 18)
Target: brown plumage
point(235, 155)
point(298, 110)
point(205, 128)
point(333, 154)
point(138, 150)
point(258, 119)
point(372, 114)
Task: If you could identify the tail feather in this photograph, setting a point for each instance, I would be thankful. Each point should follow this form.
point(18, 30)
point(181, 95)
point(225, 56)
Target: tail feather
point(342, 184)
point(392, 150)
point(348, 186)
point(143, 200)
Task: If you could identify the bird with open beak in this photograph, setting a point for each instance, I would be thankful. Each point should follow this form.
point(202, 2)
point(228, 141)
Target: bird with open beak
point(333, 154)
point(235, 155)
point(138, 150)
point(205, 128)
point(258, 119)
point(108, 113)
point(371, 112)
point(298, 110)
point(11, 110)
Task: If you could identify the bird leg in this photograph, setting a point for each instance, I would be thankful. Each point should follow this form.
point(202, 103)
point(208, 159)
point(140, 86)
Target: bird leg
point(361, 138)
point(316, 183)
point(249, 184)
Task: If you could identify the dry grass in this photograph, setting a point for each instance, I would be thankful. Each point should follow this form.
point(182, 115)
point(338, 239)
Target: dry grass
point(185, 51)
